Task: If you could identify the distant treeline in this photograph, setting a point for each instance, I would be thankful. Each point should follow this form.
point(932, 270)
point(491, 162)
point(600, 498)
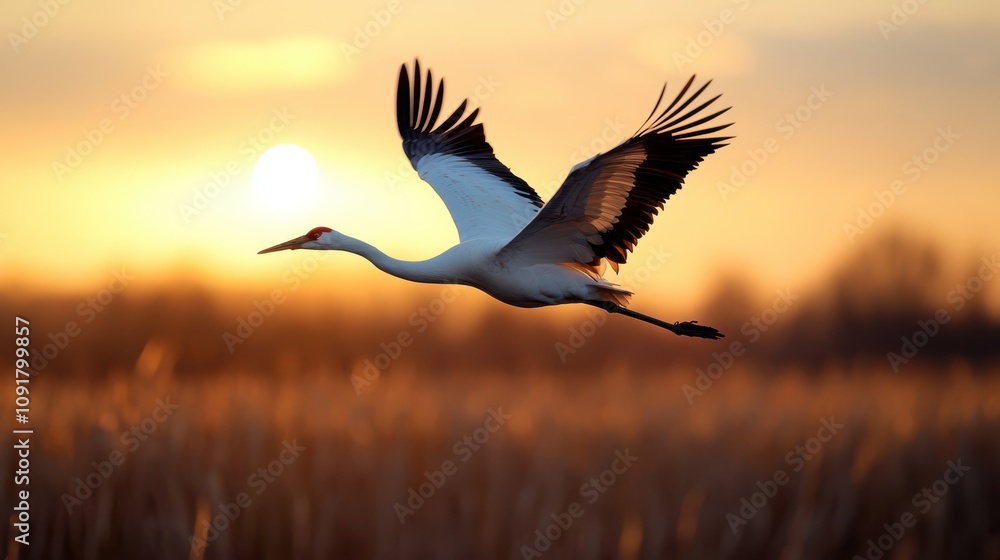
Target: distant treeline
point(892, 302)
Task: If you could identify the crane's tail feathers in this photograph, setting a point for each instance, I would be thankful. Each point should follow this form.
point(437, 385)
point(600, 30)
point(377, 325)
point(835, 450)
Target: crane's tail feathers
point(614, 295)
point(687, 328)
point(601, 290)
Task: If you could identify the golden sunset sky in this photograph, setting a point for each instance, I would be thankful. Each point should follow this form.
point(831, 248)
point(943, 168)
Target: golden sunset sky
point(121, 118)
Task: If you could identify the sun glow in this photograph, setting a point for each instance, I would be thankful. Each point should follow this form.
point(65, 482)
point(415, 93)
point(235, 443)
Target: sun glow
point(286, 176)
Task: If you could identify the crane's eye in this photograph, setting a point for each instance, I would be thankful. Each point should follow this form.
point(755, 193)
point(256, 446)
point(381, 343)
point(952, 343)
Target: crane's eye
point(315, 232)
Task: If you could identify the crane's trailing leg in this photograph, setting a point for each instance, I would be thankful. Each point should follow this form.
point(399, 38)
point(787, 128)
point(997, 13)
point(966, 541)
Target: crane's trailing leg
point(687, 328)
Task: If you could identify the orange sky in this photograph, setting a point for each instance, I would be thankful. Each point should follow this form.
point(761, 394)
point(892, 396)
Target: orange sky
point(838, 102)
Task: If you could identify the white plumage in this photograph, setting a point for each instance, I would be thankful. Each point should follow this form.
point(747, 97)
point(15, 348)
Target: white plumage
point(481, 205)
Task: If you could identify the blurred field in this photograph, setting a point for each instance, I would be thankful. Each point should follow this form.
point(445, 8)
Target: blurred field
point(362, 454)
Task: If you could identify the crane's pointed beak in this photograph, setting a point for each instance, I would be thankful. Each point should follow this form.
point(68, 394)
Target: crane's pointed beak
point(292, 244)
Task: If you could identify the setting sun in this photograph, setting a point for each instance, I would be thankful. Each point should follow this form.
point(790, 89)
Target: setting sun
point(285, 176)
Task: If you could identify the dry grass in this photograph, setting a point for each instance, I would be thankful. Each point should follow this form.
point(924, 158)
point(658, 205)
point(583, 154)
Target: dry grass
point(363, 453)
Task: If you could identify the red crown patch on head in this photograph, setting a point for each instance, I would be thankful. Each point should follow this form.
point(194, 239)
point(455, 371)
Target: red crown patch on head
point(315, 232)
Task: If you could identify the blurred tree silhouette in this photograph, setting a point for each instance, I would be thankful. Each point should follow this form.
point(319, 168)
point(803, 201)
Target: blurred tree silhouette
point(859, 312)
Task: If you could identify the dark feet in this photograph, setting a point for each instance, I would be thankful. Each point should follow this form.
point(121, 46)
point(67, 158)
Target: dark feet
point(691, 328)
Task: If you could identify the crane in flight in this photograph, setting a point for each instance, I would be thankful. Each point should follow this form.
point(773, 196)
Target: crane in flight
point(511, 245)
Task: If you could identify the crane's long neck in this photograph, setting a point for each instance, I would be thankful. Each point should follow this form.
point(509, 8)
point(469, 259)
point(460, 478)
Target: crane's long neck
point(414, 271)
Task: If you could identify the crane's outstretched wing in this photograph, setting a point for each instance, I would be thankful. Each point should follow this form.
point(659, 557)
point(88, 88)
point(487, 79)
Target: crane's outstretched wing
point(484, 198)
point(608, 202)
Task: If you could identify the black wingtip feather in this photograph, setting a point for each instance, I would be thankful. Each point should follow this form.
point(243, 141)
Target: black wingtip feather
point(416, 93)
point(470, 119)
point(403, 101)
point(452, 119)
point(425, 109)
point(663, 91)
point(676, 99)
point(437, 106)
point(665, 117)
